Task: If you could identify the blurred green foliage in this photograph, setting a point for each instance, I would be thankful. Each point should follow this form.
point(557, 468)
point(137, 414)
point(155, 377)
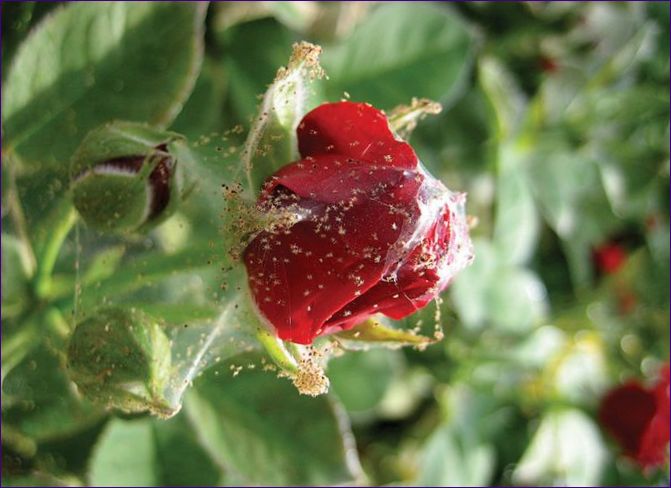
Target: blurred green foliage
point(556, 123)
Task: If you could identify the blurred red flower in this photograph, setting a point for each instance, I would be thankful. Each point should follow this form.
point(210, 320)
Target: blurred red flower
point(609, 257)
point(548, 64)
point(638, 418)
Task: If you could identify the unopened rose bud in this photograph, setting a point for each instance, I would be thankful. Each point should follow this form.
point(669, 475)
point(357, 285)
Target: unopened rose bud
point(121, 358)
point(126, 177)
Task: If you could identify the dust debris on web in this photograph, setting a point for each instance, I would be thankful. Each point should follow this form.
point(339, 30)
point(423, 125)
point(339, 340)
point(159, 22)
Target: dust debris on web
point(208, 343)
point(304, 55)
point(310, 378)
point(244, 219)
point(438, 333)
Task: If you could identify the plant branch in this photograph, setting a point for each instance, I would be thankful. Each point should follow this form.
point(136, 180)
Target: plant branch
point(16, 214)
point(57, 229)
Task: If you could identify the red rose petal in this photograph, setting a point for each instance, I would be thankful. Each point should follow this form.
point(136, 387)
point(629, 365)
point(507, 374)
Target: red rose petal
point(333, 179)
point(302, 276)
point(354, 130)
point(416, 282)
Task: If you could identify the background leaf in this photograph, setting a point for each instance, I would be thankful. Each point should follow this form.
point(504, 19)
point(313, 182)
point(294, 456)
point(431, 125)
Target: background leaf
point(151, 452)
point(458, 453)
point(402, 51)
point(125, 455)
point(360, 379)
point(450, 460)
point(266, 432)
point(252, 67)
point(566, 444)
point(40, 401)
point(86, 64)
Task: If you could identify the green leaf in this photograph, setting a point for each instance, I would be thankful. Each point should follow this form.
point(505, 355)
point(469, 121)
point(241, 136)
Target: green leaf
point(627, 131)
point(41, 402)
point(125, 455)
point(181, 455)
point(460, 452)
point(251, 65)
point(177, 314)
point(25, 16)
point(361, 378)
point(470, 288)
point(17, 269)
point(451, 459)
point(517, 224)
point(103, 265)
point(39, 478)
point(298, 16)
point(202, 112)
point(505, 97)
point(402, 51)
point(570, 194)
point(566, 450)
point(516, 300)
point(457, 144)
point(143, 271)
point(259, 427)
point(88, 63)
point(152, 453)
point(209, 162)
point(491, 291)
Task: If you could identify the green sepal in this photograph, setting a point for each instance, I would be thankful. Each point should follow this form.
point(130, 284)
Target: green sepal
point(373, 332)
point(119, 139)
point(111, 202)
point(271, 142)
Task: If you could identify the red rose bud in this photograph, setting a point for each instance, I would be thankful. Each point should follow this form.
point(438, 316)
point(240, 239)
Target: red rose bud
point(609, 257)
point(638, 418)
point(375, 233)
